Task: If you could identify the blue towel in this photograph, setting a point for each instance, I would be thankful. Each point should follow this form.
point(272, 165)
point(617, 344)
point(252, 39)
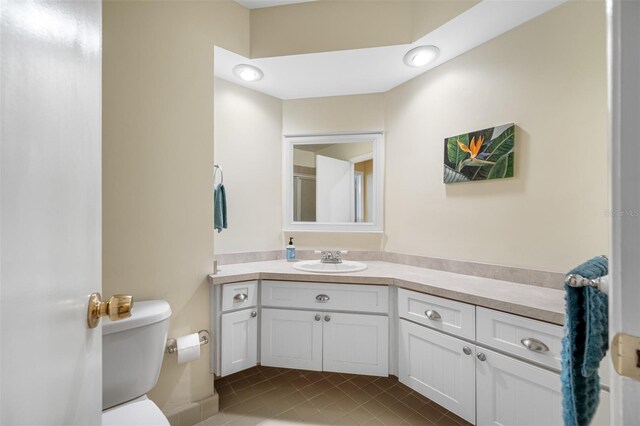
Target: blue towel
point(584, 345)
point(219, 208)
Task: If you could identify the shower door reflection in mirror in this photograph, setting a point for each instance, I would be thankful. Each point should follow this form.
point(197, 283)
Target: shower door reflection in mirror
point(334, 182)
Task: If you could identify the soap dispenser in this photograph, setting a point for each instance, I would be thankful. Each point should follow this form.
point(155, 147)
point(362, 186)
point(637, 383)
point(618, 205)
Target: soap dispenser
point(291, 251)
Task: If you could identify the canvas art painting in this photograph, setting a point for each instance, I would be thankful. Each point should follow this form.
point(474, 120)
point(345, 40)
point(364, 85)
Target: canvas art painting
point(480, 155)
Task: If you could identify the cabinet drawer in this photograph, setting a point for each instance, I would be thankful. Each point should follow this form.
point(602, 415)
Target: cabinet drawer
point(442, 314)
point(509, 333)
point(320, 296)
point(239, 295)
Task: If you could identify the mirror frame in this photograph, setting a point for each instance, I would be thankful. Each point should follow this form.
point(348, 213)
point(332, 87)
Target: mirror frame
point(289, 141)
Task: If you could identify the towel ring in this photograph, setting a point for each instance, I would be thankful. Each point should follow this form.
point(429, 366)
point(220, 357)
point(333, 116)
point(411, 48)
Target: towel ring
point(216, 167)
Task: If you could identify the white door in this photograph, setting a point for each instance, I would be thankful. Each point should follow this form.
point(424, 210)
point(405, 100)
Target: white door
point(239, 340)
point(334, 190)
point(51, 363)
point(440, 367)
point(624, 267)
point(291, 339)
point(356, 344)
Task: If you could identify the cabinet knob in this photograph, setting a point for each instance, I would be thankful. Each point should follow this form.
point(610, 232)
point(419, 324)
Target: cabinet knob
point(322, 298)
point(327, 318)
point(466, 350)
point(318, 317)
point(433, 315)
point(534, 345)
point(254, 314)
point(481, 356)
point(240, 297)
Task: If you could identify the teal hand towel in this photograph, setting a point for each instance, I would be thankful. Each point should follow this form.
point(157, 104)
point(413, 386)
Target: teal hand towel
point(584, 345)
point(219, 208)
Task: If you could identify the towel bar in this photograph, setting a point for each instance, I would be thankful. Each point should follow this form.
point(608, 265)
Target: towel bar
point(575, 280)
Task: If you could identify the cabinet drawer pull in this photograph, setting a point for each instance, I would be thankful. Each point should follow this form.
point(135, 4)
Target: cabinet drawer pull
point(254, 314)
point(318, 317)
point(466, 350)
point(327, 318)
point(481, 356)
point(240, 297)
point(322, 298)
point(534, 345)
point(433, 315)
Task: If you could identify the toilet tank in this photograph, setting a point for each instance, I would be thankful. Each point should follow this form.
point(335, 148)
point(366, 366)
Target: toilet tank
point(132, 352)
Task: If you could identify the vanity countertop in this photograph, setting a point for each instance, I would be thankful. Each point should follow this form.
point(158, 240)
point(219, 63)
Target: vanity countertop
point(530, 301)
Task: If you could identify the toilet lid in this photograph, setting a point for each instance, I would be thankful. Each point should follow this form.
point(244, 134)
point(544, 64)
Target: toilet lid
point(135, 413)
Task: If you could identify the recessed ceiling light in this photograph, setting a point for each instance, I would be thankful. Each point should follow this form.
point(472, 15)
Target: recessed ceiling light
point(248, 72)
point(421, 56)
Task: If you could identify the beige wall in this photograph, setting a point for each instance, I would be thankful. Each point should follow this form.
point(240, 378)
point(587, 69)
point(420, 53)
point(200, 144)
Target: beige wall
point(248, 135)
point(328, 25)
point(334, 114)
point(346, 151)
point(157, 164)
point(304, 158)
point(548, 77)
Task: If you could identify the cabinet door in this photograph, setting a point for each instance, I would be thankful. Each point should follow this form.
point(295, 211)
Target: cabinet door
point(438, 366)
point(291, 339)
point(512, 392)
point(356, 344)
point(239, 341)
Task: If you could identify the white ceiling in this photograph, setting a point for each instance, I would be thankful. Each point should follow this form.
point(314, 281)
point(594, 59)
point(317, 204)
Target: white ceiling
point(379, 69)
point(257, 4)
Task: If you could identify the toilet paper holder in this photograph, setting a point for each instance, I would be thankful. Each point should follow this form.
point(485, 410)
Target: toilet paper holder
point(172, 346)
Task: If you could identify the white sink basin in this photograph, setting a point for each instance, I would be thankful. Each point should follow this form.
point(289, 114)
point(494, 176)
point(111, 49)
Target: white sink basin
point(331, 268)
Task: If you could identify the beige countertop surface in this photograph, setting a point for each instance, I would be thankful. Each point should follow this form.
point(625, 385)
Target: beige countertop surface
point(530, 301)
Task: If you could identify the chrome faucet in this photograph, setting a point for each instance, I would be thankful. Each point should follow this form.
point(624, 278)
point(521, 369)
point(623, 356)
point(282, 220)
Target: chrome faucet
point(327, 256)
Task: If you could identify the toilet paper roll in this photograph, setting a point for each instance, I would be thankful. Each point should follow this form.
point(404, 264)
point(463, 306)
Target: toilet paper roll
point(188, 348)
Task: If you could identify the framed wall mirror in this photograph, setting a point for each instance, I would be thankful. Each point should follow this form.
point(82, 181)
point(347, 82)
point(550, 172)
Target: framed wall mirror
point(333, 182)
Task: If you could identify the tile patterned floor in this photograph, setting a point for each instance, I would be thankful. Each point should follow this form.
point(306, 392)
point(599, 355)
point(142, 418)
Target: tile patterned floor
point(278, 396)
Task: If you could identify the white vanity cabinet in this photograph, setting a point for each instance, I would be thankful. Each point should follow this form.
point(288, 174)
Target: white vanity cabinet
point(355, 344)
point(470, 377)
point(239, 341)
point(514, 392)
point(309, 335)
point(438, 366)
point(235, 325)
point(291, 339)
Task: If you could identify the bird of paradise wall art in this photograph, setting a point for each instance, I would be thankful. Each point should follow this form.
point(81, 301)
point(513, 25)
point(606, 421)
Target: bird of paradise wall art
point(480, 155)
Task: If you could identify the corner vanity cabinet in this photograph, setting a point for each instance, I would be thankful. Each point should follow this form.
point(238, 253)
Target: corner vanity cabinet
point(301, 328)
point(311, 326)
point(488, 367)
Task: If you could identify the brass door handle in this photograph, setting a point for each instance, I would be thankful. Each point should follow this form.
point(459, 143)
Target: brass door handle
point(118, 307)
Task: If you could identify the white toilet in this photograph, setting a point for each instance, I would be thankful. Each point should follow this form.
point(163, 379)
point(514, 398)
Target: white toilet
point(132, 351)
